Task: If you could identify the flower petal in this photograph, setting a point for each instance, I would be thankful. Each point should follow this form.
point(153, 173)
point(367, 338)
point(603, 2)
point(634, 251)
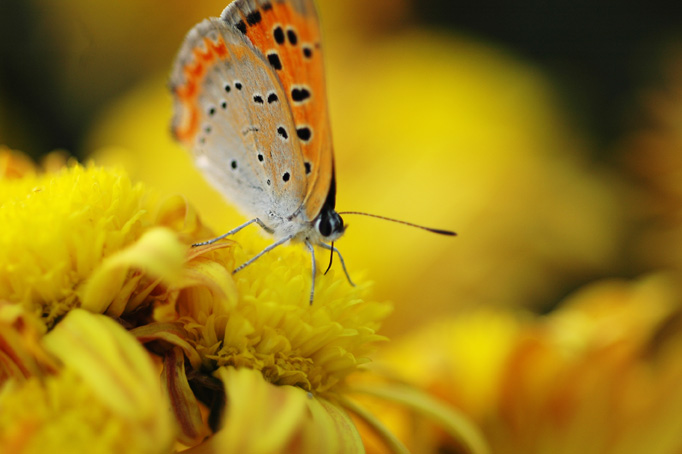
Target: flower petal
point(110, 360)
point(332, 430)
point(158, 252)
point(172, 333)
point(256, 408)
point(453, 422)
point(183, 403)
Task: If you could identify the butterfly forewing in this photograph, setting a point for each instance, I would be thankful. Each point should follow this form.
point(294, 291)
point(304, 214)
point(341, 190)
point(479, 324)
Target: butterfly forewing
point(287, 33)
point(230, 110)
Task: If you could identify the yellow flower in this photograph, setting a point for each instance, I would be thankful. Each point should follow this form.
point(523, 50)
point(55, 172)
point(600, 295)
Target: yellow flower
point(90, 387)
point(600, 375)
point(217, 338)
point(58, 228)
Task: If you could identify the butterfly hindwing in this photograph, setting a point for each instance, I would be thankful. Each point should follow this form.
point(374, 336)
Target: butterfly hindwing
point(287, 33)
point(231, 110)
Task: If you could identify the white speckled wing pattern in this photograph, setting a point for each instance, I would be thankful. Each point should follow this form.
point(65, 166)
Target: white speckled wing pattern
point(232, 112)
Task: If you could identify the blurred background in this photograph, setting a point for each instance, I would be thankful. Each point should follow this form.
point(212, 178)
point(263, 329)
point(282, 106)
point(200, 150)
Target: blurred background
point(547, 134)
point(543, 133)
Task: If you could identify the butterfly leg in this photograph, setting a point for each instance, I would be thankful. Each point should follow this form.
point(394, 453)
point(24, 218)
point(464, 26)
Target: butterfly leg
point(343, 263)
point(261, 253)
point(233, 231)
point(312, 254)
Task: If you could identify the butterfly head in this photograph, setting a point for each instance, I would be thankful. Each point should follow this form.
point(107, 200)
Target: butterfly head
point(329, 225)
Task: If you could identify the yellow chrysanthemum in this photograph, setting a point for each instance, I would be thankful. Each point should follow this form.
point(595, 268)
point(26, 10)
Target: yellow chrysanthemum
point(600, 375)
point(92, 389)
point(213, 335)
point(56, 230)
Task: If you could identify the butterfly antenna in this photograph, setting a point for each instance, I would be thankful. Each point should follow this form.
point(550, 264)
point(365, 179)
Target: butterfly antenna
point(331, 259)
point(428, 229)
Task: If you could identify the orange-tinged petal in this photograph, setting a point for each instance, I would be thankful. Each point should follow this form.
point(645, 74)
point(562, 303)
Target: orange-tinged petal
point(183, 403)
point(458, 426)
point(21, 356)
point(172, 333)
point(14, 164)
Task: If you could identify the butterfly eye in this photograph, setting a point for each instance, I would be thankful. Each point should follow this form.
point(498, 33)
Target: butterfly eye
point(324, 226)
point(330, 224)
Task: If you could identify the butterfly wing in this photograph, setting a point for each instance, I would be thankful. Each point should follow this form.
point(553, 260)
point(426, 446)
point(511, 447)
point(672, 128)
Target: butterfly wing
point(232, 112)
point(287, 33)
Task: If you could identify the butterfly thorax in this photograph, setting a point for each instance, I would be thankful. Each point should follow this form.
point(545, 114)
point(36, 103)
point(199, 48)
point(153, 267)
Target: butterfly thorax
point(327, 226)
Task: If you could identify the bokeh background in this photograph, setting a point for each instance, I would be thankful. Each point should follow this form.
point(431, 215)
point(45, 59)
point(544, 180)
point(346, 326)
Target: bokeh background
point(546, 134)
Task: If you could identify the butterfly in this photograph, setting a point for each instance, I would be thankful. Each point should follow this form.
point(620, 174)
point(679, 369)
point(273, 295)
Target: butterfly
point(250, 103)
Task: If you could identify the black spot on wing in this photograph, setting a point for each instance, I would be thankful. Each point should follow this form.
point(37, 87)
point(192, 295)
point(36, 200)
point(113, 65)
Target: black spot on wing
point(300, 94)
point(308, 168)
point(293, 38)
point(282, 132)
point(286, 177)
point(258, 99)
point(254, 18)
point(241, 26)
point(272, 97)
point(304, 133)
point(278, 34)
point(267, 6)
point(274, 60)
point(307, 51)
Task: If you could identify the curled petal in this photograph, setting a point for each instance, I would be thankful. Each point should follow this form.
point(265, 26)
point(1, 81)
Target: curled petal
point(173, 334)
point(183, 403)
point(158, 253)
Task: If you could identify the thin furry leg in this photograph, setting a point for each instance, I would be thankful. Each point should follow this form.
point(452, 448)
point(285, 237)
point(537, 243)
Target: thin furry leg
point(261, 253)
point(233, 231)
point(343, 264)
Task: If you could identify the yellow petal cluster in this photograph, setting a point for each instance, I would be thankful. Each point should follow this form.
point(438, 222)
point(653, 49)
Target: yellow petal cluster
point(96, 269)
point(261, 319)
point(58, 228)
point(96, 390)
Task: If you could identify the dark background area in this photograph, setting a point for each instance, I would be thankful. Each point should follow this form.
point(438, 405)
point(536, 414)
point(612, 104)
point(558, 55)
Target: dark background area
point(599, 55)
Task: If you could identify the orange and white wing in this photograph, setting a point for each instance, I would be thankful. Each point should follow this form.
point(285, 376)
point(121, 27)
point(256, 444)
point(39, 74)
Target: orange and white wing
point(287, 33)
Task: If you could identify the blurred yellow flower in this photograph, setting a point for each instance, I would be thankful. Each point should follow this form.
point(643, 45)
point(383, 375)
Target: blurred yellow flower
point(601, 374)
point(90, 388)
